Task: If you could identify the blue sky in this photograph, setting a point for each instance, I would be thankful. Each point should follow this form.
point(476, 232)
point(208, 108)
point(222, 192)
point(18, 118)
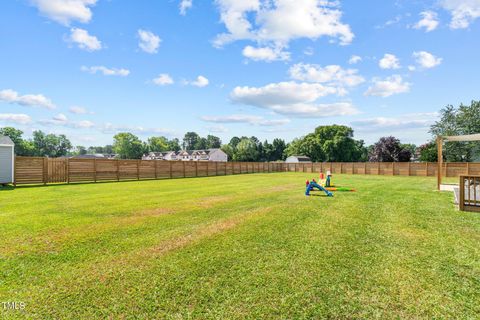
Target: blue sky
point(277, 68)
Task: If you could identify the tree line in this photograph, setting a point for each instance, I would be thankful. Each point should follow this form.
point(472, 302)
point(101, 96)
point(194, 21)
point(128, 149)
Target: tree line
point(332, 143)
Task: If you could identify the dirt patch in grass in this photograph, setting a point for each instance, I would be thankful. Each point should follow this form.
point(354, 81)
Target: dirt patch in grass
point(54, 240)
point(154, 212)
point(209, 202)
point(142, 258)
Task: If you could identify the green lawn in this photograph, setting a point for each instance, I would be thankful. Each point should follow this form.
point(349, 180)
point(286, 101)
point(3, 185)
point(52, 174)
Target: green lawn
point(244, 246)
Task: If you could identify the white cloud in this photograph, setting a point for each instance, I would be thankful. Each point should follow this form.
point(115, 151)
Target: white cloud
point(309, 51)
point(84, 124)
point(390, 22)
point(265, 53)
point(244, 118)
point(281, 93)
point(463, 12)
point(12, 96)
point(412, 68)
point(184, 6)
point(84, 40)
point(113, 129)
point(163, 79)
point(63, 121)
point(18, 118)
point(333, 74)
point(354, 59)
point(429, 21)
point(426, 59)
point(149, 42)
point(406, 121)
point(79, 110)
point(60, 118)
point(390, 86)
point(389, 61)
point(200, 82)
point(294, 99)
point(106, 71)
point(275, 23)
point(217, 129)
point(65, 11)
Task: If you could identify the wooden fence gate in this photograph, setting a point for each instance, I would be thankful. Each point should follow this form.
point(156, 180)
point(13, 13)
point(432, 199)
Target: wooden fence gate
point(469, 193)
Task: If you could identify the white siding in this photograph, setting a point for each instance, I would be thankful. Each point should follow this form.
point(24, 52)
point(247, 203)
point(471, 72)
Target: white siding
point(218, 155)
point(292, 159)
point(6, 164)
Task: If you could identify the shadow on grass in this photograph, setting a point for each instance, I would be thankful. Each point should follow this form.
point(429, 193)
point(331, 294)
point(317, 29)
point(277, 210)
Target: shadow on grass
point(7, 187)
point(60, 184)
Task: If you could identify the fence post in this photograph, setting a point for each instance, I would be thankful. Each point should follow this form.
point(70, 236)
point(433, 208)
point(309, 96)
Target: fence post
point(409, 166)
point(468, 169)
point(393, 168)
point(67, 170)
point(196, 168)
point(184, 169)
point(426, 169)
point(118, 169)
point(155, 163)
point(170, 163)
point(365, 168)
point(45, 170)
point(461, 202)
point(216, 168)
point(94, 169)
point(15, 172)
point(138, 169)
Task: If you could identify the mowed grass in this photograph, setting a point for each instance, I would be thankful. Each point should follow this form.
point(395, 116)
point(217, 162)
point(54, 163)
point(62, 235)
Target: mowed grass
point(245, 246)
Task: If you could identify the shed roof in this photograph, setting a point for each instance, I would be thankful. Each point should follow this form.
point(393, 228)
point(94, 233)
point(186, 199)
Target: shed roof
point(6, 140)
point(303, 158)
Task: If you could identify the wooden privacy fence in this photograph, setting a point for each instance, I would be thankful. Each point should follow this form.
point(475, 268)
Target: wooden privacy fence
point(30, 170)
point(469, 193)
point(449, 169)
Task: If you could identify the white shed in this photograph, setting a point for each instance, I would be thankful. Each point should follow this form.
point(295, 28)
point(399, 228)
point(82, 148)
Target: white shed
point(7, 159)
point(298, 159)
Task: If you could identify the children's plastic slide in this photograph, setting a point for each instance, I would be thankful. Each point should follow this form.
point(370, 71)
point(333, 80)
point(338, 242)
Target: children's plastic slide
point(311, 185)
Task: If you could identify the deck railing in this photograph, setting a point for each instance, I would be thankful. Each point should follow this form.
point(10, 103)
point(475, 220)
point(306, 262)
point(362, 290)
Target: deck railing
point(469, 193)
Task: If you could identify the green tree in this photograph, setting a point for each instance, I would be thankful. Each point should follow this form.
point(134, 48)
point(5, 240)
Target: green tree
point(267, 151)
point(463, 120)
point(278, 152)
point(50, 145)
point(128, 146)
point(213, 142)
point(158, 144)
point(246, 150)
point(201, 144)
point(328, 143)
point(22, 147)
point(174, 145)
point(234, 142)
point(80, 150)
point(190, 140)
point(428, 152)
point(229, 151)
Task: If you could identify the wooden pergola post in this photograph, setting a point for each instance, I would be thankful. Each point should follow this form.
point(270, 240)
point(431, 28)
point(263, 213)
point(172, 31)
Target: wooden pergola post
point(439, 161)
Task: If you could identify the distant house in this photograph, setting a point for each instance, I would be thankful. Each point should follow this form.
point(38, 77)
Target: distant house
point(298, 159)
point(94, 156)
point(189, 155)
point(166, 155)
